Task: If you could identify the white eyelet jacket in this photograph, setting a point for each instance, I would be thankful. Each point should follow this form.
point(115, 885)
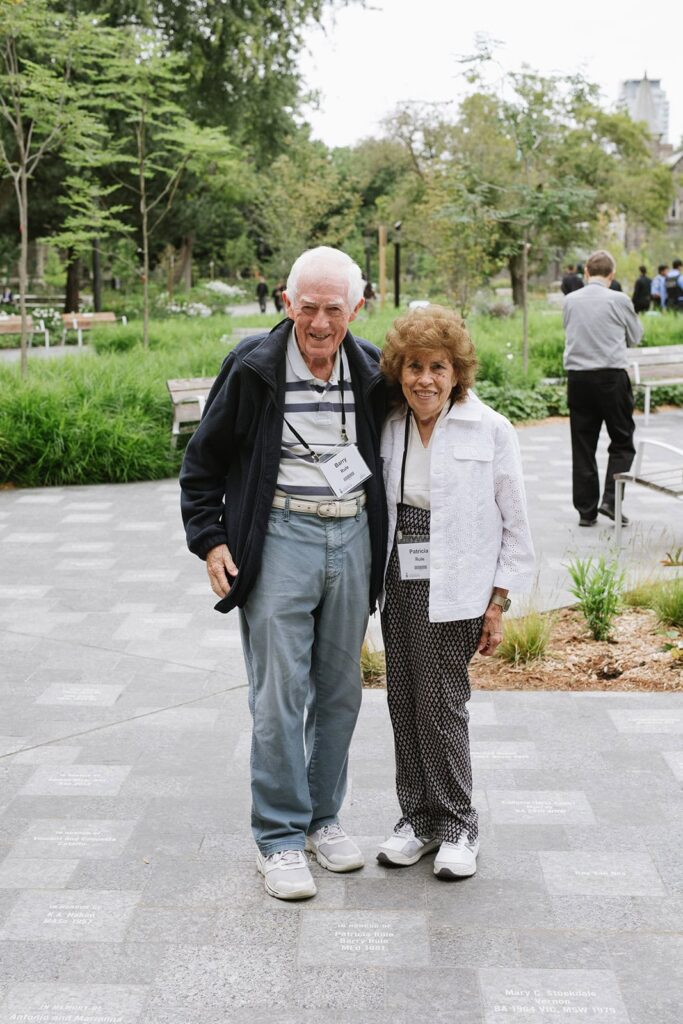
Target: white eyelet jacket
point(480, 536)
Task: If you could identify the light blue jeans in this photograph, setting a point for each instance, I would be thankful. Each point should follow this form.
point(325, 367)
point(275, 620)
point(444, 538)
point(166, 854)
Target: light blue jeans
point(302, 629)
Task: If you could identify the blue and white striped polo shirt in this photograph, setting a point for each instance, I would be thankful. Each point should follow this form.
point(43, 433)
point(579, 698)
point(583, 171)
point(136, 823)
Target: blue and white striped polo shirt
point(313, 407)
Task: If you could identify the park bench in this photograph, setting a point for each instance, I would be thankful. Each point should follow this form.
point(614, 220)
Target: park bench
point(665, 479)
point(80, 322)
point(188, 396)
point(664, 366)
point(12, 325)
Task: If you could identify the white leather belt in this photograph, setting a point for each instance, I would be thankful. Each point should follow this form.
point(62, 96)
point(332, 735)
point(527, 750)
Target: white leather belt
point(325, 509)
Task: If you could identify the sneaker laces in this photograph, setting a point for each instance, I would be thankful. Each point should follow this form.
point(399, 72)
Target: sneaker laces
point(332, 831)
point(406, 831)
point(287, 858)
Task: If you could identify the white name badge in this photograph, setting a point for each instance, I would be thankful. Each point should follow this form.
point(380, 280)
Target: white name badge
point(413, 559)
point(345, 469)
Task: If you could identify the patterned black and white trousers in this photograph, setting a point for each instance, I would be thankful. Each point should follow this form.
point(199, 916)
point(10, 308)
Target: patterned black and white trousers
point(428, 688)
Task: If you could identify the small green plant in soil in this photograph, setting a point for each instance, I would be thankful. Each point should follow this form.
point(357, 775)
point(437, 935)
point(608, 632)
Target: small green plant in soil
point(525, 639)
point(597, 586)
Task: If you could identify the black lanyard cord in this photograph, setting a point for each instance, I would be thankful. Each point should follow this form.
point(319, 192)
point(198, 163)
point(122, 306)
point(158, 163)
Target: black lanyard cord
point(344, 436)
point(406, 438)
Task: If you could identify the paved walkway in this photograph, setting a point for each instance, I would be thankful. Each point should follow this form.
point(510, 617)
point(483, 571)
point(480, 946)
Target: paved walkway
point(127, 887)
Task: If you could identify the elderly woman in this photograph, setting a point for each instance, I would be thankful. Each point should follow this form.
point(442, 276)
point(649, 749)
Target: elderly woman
point(458, 541)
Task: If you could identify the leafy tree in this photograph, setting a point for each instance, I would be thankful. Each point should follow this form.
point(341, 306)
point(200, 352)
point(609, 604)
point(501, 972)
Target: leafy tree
point(158, 143)
point(45, 104)
point(244, 74)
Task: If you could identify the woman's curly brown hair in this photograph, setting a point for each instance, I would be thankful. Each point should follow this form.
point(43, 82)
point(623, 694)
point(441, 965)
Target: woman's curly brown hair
point(430, 327)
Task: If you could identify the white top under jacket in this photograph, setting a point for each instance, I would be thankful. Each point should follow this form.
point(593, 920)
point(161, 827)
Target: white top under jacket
point(480, 536)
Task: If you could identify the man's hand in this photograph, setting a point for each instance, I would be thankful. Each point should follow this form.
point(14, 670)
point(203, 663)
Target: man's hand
point(219, 565)
point(492, 630)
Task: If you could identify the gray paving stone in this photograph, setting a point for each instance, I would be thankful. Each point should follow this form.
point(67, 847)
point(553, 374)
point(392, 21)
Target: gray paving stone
point(373, 938)
point(464, 946)
point(112, 963)
point(602, 874)
point(539, 807)
point(73, 1004)
point(77, 780)
point(650, 975)
point(56, 838)
point(488, 903)
point(25, 873)
point(544, 995)
point(85, 916)
point(422, 993)
point(559, 950)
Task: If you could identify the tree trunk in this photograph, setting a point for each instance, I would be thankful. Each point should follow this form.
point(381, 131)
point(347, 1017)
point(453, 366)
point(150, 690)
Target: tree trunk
point(96, 276)
point(525, 304)
point(516, 275)
point(22, 196)
point(73, 272)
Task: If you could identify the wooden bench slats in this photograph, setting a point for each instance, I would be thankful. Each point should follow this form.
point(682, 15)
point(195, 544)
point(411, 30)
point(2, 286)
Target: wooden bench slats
point(665, 479)
point(661, 361)
point(12, 324)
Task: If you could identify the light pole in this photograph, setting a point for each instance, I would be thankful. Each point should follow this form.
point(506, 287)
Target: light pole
point(397, 264)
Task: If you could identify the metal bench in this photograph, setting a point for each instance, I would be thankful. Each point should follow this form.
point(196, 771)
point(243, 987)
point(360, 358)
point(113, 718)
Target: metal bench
point(668, 480)
point(188, 396)
point(12, 325)
point(80, 322)
point(667, 363)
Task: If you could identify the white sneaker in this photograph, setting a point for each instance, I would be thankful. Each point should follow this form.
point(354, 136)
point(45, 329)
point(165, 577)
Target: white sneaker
point(286, 874)
point(333, 849)
point(403, 847)
point(457, 860)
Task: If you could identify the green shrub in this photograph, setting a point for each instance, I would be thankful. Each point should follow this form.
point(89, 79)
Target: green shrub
point(518, 404)
point(668, 604)
point(597, 588)
point(525, 639)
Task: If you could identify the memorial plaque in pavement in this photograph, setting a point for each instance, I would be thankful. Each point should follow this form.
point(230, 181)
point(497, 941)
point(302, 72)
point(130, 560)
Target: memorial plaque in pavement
point(364, 937)
point(58, 838)
point(94, 694)
point(77, 780)
point(503, 754)
point(548, 997)
point(604, 874)
point(656, 720)
point(674, 759)
point(539, 807)
point(73, 1004)
point(83, 915)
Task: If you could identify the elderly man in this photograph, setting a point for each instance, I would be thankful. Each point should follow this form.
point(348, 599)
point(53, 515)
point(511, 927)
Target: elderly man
point(600, 324)
point(282, 495)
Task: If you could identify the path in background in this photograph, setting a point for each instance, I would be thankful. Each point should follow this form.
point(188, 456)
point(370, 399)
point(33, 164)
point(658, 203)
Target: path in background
point(127, 884)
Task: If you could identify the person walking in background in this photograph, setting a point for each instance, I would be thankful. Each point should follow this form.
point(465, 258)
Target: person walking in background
point(262, 293)
point(642, 290)
point(600, 324)
point(571, 282)
point(658, 288)
point(282, 496)
point(369, 296)
point(459, 539)
point(276, 296)
point(674, 288)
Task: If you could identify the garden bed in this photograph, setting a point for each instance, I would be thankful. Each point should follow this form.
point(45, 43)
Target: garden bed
point(634, 658)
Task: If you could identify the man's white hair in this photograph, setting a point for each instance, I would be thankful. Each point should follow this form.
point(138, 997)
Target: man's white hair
point(320, 261)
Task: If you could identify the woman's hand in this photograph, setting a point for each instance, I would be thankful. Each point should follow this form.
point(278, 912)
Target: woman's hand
point(492, 630)
point(220, 567)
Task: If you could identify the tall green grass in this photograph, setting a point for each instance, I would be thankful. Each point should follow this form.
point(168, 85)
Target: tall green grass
point(106, 416)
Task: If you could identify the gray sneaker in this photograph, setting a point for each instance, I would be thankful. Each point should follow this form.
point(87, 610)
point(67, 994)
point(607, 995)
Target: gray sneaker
point(333, 849)
point(286, 874)
point(403, 847)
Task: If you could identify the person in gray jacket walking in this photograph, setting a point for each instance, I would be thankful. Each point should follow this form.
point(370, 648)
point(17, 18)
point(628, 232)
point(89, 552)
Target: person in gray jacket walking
point(600, 325)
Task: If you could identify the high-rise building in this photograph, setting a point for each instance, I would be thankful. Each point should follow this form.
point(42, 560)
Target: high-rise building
point(645, 100)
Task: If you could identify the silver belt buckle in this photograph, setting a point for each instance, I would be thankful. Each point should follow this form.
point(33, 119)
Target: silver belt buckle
point(327, 509)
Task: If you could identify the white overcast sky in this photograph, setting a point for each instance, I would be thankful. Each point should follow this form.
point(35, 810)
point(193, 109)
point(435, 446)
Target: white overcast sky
point(365, 61)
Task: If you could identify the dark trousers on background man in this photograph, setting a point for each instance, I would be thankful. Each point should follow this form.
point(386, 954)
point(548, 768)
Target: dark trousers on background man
point(596, 397)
